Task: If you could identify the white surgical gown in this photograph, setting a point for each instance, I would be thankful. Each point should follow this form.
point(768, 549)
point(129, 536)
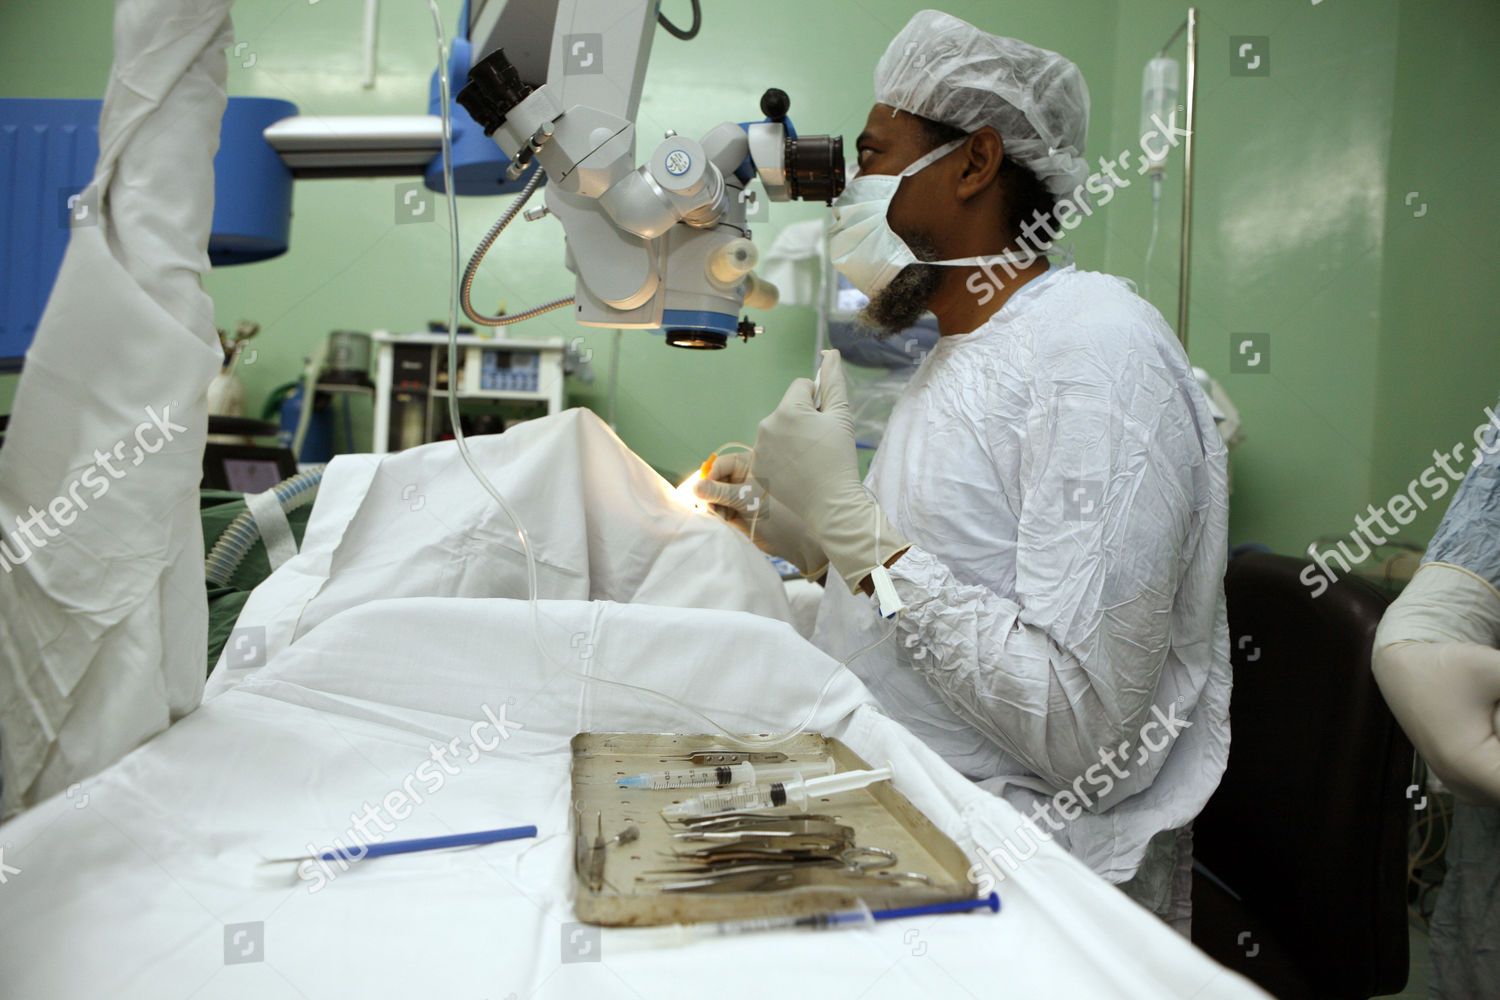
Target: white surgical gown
point(1060, 477)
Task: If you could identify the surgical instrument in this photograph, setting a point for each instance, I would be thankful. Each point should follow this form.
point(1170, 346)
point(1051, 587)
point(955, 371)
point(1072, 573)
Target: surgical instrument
point(778, 793)
point(747, 820)
point(731, 857)
point(723, 775)
point(596, 851)
point(860, 916)
point(765, 876)
point(712, 758)
point(768, 829)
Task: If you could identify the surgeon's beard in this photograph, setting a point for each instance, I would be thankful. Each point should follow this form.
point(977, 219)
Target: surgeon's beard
point(897, 307)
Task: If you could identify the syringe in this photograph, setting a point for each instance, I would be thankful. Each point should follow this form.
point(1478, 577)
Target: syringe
point(793, 791)
point(860, 916)
point(724, 775)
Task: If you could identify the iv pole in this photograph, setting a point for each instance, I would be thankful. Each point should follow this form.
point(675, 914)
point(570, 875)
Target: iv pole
point(1191, 112)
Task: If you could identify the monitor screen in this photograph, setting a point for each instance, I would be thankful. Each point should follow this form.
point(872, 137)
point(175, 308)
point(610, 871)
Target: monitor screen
point(251, 475)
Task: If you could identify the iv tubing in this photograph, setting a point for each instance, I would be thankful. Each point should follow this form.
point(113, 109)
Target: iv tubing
point(751, 742)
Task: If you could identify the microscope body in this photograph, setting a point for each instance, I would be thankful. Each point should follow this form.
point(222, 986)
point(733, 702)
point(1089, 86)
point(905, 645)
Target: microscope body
point(664, 244)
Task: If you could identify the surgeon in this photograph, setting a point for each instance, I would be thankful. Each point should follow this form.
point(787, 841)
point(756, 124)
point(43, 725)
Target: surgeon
point(1049, 500)
point(1437, 664)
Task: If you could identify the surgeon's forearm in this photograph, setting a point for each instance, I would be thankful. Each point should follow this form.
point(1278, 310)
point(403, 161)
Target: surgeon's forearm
point(1014, 683)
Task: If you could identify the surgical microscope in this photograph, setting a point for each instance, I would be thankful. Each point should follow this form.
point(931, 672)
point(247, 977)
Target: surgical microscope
point(660, 245)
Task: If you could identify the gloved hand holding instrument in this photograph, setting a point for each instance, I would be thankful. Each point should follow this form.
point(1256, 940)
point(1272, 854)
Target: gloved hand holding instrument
point(803, 480)
point(744, 503)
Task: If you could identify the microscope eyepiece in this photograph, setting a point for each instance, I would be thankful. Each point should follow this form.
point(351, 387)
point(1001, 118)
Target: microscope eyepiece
point(814, 167)
point(494, 88)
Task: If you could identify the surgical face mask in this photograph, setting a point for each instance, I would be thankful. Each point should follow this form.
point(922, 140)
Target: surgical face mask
point(865, 249)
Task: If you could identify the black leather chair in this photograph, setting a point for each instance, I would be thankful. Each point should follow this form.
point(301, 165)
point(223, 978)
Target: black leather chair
point(1309, 826)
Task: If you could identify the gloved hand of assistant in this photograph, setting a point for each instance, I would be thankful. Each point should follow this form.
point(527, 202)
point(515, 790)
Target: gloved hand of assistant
point(805, 459)
point(1436, 666)
point(1444, 694)
point(735, 496)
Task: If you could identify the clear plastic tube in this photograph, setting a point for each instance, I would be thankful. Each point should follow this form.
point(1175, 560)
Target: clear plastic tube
point(454, 280)
point(1155, 228)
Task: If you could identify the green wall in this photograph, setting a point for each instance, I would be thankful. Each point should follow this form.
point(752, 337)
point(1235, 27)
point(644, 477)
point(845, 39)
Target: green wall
point(351, 266)
point(1439, 341)
point(1288, 208)
point(1301, 232)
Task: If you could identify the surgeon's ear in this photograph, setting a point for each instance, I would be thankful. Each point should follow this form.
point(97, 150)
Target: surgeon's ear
point(981, 165)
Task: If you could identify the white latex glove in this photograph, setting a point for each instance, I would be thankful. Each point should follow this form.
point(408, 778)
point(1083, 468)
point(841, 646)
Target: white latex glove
point(1446, 695)
point(734, 496)
point(805, 458)
point(1436, 666)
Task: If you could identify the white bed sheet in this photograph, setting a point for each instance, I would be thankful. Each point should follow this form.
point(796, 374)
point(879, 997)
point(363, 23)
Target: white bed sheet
point(127, 882)
point(602, 525)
